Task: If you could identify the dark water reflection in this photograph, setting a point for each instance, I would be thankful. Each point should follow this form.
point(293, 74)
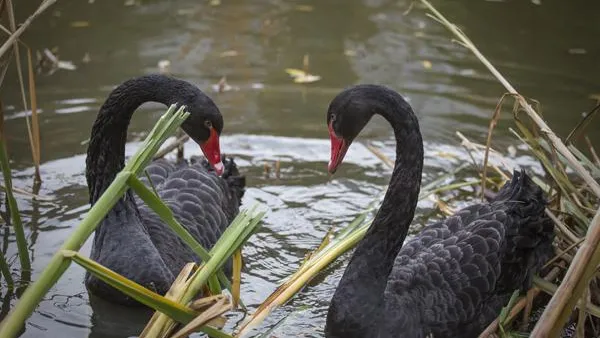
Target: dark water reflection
point(547, 51)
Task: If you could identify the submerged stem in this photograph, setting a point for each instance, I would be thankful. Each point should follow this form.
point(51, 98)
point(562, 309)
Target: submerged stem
point(14, 212)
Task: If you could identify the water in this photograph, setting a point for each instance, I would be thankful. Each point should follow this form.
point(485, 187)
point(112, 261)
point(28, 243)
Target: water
point(548, 51)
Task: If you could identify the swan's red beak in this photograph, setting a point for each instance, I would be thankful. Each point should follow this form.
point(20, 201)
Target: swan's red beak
point(339, 146)
point(212, 151)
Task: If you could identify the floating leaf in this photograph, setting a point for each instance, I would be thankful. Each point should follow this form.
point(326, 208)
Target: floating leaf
point(577, 51)
point(80, 24)
point(301, 76)
point(427, 64)
point(228, 53)
point(293, 72)
point(304, 8)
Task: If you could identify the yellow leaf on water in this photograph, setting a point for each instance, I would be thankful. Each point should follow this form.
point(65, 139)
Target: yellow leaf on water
point(304, 8)
point(229, 53)
point(308, 78)
point(301, 76)
point(215, 2)
point(427, 64)
point(293, 72)
point(79, 24)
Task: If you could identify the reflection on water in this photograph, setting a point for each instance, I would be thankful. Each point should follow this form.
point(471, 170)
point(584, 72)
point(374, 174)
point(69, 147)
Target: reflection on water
point(268, 118)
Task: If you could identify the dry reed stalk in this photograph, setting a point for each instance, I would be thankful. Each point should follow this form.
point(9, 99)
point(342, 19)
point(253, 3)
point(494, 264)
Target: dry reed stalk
point(471, 146)
point(592, 150)
point(17, 33)
point(386, 160)
point(556, 142)
point(520, 305)
point(25, 193)
point(570, 289)
point(33, 131)
point(493, 123)
point(175, 145)
point(2, 120)
point(174, 293)
point(215, 311)
point(588, 256)
point(582, 125)
point(35, 123)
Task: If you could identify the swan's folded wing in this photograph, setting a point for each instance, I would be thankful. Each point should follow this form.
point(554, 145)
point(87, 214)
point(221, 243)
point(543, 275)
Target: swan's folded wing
point(200, 201)
point(444, 278)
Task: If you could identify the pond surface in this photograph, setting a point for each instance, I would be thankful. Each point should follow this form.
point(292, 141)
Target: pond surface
point(547, 49)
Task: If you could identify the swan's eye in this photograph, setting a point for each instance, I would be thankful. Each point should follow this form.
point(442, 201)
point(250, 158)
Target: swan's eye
point(332, 117)
point(208, 124)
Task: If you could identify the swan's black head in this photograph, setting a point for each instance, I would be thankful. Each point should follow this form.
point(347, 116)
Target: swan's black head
point(205, 122)
point(349, 113)
point(204, 125)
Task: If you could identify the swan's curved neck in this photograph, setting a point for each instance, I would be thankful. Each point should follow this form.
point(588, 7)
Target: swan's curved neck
point(390, 226)
point(106, 150)
point(360, 292)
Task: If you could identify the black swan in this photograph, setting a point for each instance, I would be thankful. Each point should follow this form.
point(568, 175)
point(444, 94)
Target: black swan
point(132, 240)
point(454, 276)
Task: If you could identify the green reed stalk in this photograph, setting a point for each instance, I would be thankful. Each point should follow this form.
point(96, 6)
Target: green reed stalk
point(14, 211)
point(230, 241)
point(170, 121)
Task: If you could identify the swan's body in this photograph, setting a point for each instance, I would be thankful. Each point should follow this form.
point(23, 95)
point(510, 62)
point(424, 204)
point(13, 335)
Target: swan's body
point(453, 277)
point(132, 240)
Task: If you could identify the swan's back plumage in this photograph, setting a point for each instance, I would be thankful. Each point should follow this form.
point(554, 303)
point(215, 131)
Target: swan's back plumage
point(202, 202)
point(453, 277)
